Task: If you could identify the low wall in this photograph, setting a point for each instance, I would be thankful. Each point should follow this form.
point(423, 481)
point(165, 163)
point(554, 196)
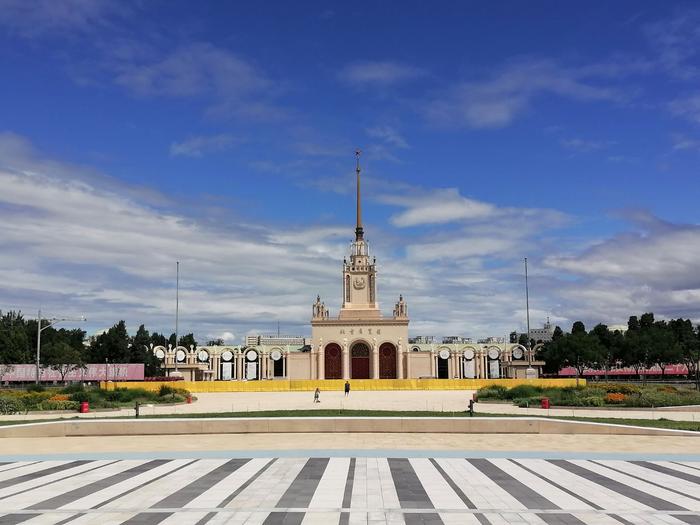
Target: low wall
point(338, 384)
point(461, 425)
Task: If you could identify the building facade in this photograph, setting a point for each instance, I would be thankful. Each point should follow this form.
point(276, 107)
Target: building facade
point(359, 343)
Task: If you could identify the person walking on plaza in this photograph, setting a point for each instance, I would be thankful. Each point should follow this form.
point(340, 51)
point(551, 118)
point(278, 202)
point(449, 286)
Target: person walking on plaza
point(317, 394)
point(347, 388)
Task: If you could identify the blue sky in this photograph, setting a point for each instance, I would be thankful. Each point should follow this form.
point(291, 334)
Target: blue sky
point(135, 134)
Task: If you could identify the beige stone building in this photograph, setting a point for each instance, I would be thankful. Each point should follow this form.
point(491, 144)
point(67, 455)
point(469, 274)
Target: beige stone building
point(359, 343)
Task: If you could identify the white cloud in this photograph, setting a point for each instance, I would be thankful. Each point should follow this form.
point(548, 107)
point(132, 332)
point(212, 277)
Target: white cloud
point(681, 143)
point(191, 70)
point(230, 85)
point(378, 73)
point(389, 135)
point(39, 17)
point(82, 245)
point(583, 145)
point(199, 145)
point(662, 255)
point(687, 107)
point(436, 207)
point(496, 101)
point(675, 41)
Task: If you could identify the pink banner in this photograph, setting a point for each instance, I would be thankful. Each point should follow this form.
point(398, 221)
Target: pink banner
point(655, 370)
point(93, 372)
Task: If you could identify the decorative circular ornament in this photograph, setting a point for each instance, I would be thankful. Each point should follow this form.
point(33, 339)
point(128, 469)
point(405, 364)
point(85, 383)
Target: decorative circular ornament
point(493, 353)
point(160, 353)
point(444, 354)
point(359, 283)
point(203, 356)
point(468, 354)
point(226, 355)
point(180, 356)
point(517, 353)
point(276, 355)
point(251, 356)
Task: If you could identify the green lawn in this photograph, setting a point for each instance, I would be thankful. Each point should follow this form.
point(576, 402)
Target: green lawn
point(655, 423)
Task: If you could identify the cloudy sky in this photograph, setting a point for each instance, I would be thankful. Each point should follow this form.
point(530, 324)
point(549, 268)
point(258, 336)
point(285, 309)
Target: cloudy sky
point(136, 134)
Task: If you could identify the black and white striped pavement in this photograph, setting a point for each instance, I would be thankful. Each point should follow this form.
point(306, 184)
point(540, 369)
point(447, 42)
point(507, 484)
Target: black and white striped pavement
point(349, 490)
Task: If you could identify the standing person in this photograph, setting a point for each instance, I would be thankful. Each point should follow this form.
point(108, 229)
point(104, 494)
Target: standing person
point(317, 394)
point(347, 388)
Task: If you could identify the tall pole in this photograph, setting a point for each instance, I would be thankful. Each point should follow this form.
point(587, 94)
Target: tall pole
point(38, 345)
point(177, 308)
point(359, 233)
point(527, 310)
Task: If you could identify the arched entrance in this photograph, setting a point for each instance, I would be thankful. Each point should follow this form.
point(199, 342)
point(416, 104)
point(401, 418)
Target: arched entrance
point(359, 362)
point(333, 362)
point(443, 365)
point(387, 361)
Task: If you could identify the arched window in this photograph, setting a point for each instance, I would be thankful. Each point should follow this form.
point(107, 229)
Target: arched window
point(347, 288)
point(371, 288)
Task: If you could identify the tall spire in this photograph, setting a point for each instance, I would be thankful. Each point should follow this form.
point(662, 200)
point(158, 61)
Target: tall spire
point(359, 232)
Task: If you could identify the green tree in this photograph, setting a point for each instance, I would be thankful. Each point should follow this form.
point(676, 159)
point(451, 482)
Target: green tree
point(578, 328)
point(522, 340)
point(112, 345)
point(188, 340)
point(216, 342)
point(664, 350)
point(141, 352)
point(14, 343)
point(687, 338)
point(558, 333)
point(633, 324)
point(159, 339)
point(63, 358)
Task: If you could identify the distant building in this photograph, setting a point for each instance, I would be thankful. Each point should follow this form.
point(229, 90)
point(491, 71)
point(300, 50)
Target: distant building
point(359, 343)
point(543, 334)
point(421, 340)
point(492, 340)
point(456, 339)
point(276, 340)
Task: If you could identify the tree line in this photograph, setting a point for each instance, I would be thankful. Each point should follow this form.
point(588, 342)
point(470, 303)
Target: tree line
point(65, 350)
point(645, 344)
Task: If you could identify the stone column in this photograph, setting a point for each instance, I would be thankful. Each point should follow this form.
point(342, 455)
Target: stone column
point(408, 365)
point(346, 361)
point(399, 360)
point(239, 366)
point(375, 360)
point(432, 363)
point(321, 363)
point(312, 363)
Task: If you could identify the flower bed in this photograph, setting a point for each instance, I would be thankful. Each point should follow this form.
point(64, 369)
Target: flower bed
point(69, 398)
point(595, 395)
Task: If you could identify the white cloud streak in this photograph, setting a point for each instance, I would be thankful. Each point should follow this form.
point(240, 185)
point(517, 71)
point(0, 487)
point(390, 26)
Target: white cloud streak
point(200, 145)
point(378, 74)
point(496, 101)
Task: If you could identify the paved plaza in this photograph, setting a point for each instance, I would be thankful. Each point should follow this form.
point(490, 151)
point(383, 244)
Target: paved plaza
point(347, 490)
point(401, 400)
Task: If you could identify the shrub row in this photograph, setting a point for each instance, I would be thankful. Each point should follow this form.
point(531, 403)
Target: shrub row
point(594, 395)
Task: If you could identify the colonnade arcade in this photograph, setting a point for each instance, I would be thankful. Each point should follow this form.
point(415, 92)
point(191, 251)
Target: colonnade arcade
point(492, 361)
point(224, 362)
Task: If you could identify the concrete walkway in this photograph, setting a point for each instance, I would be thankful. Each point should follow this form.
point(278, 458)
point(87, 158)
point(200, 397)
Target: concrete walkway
point(409, 400)
point(374, 441)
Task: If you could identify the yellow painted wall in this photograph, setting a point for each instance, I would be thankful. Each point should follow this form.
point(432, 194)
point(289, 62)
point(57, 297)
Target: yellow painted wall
point(337, 384)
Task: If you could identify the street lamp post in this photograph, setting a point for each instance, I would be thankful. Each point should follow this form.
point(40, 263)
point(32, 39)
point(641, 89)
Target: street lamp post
point(39, 329)
point(530, 372)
